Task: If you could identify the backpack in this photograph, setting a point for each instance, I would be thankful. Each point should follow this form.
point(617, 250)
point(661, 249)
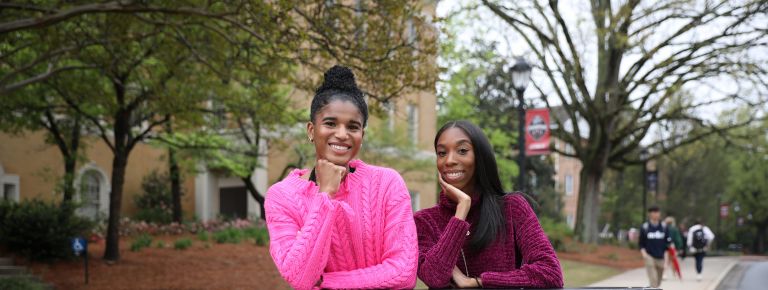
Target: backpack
point(699, 240)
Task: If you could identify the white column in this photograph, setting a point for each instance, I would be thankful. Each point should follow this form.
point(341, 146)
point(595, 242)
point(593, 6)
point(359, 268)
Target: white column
point(202, 193)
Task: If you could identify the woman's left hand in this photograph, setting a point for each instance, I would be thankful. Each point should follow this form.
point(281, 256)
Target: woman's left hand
point(462, 281)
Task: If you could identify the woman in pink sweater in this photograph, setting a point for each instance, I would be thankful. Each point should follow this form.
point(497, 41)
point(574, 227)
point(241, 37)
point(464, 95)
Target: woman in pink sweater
point(478, 236)
point(345, 224)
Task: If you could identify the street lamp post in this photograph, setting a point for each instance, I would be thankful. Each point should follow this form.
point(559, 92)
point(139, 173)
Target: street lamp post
point(644, 159)
point(521, 75)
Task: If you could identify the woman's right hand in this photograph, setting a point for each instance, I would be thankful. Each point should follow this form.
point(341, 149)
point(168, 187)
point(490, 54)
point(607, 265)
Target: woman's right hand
point(462, 199)
point(329, 176)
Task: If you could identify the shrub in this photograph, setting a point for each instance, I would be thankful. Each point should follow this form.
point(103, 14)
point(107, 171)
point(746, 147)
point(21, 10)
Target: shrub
point(230, 235)
point(182, 244)
point(160, 244)
point(39, 230)
point(202, 236)
point(258, 234)
point(154, 203)
point(141, 242)
point(557, 232)
point(20, 283)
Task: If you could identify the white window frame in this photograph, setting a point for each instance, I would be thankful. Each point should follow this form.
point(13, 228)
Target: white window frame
point(12, 180)
point(568, 184)
point(104, 187)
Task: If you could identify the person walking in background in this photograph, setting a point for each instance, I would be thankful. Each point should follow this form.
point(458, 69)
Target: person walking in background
point(684, 233)
point(344, 223)
point(654, 240)
point(677, 239)
point(477, 235)
point(699, 239)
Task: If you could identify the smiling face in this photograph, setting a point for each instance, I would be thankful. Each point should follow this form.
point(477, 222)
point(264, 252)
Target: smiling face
point(337, 132)
point(456, 159)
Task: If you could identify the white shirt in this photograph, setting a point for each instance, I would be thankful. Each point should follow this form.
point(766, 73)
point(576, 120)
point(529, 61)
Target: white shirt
point(708, 234)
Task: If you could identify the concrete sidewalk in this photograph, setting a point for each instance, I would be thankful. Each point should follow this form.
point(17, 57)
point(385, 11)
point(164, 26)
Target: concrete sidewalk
point(715, 269)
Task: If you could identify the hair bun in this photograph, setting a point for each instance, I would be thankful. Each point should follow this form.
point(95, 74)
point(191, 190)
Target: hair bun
point(339, 78)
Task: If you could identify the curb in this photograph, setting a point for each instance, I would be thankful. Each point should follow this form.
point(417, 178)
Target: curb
point(722, 275)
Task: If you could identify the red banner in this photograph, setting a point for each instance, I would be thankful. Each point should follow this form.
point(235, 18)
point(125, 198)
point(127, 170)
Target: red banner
point(724, 210)
point(537, 132)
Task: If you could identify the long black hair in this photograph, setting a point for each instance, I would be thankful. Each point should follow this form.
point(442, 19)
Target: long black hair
point(338, 84)
point(491, 222)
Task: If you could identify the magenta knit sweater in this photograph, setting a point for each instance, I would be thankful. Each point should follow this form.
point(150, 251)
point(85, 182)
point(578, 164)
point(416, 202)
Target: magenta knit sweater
point(442, 236)
point(364, 237)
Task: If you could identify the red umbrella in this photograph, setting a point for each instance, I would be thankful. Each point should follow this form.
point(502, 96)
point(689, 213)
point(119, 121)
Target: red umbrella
point(675, 262)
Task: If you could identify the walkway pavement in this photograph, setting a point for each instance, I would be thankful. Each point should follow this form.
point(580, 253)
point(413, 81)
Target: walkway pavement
point(715, 269)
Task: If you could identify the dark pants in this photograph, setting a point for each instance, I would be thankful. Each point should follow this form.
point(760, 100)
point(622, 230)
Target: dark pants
point(699, 261)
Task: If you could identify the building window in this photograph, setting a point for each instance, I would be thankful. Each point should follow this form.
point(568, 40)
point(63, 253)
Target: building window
point(569, 185)
point(569, 149)
point(414, 200)
point(9, 187)
point(390, 107)
point(90, 189)
point(413, 123)
point(411, 28)
point(362, 24)
point(9, 192)
point(570, 220)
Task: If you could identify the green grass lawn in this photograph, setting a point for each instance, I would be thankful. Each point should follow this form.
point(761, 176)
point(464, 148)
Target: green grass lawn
point(579, 274)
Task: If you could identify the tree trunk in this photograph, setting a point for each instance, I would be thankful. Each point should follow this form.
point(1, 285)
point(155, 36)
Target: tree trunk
point(175, 176)
point(70, 161)
point(119, 163)
point(762, 232)
point(256, 195)
point(175, 184)
point(589, 203)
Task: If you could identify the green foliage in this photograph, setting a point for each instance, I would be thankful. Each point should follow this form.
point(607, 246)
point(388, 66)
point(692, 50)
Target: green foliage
point(557, 232)
point(228, 235)
point(622, 205)
point(160, 244)
point(203, 235)
point(154, 203)
point(260, 235)
point(182, 244)
point(142, 241)
point(40, 230)
point(164, 63)
point(396, 149)
point(20, 283)
point(748, 188)
point(477, 89)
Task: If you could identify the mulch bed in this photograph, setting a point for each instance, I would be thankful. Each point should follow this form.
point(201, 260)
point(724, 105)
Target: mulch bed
point(606, 255)
point(208, 265)
point(218, 266)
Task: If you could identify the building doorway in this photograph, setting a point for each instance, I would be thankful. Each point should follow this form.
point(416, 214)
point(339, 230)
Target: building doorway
point(233, 202)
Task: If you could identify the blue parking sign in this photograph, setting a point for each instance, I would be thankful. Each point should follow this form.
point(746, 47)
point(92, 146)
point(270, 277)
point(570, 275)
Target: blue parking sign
point(79, 246)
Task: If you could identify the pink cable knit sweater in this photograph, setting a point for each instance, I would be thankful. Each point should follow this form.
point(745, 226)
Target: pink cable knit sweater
point(442, 236)
point(364, 237)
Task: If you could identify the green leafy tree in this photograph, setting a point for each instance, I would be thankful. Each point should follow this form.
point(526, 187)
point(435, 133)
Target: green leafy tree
point(136, 66)
point(617, 69)
point(478, 89)
point(748, 182)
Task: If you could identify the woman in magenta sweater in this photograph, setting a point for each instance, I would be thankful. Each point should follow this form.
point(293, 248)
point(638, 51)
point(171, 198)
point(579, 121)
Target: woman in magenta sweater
point(344, 224)
point(478, 236)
